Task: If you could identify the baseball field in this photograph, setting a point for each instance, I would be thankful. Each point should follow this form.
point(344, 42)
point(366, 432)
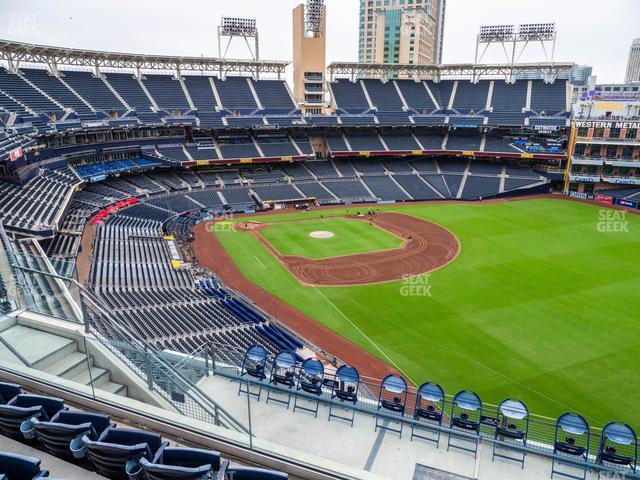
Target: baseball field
point(541, 302)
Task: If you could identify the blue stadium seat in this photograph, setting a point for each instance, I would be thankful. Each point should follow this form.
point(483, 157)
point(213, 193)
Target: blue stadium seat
point(184, 464)
point(20, 467)
point(8, 391)
point(57, 434)
point(24, 407)
point(116, 447)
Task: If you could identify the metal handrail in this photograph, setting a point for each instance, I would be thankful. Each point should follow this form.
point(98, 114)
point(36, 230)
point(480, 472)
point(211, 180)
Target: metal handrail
point(193, 390)
point(139, 345)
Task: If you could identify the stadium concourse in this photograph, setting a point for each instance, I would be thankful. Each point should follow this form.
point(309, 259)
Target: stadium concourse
point(104, 308)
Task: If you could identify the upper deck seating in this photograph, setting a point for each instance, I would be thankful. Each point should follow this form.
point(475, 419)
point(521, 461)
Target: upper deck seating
point(471, 98)
point(93, 90)
point(548, 99)
point(441, 91)
point(235, 94)
point(17, 88)
point(130, 90)
point(383, 95)
point(274, 96)
point(201, 92)
point(416, 96)
point(56, 89)
point(349, 96)
point(166, 91)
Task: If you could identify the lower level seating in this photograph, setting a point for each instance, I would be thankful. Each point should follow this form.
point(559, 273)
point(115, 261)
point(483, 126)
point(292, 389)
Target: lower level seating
point(417, 188)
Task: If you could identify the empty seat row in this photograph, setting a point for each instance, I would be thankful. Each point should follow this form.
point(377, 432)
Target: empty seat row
point(93, 441)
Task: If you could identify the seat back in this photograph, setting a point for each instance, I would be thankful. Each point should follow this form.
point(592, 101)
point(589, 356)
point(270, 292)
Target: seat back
point(190, 457)
point(154, 471)
point(20, 467)
point(65, 426)
point(50, 405)
point(8, 391)
point(11, 417)
point(117, 446)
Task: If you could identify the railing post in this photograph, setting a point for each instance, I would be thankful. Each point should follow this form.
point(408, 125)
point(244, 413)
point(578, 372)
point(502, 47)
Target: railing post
point(213, 358)
point(86, 355)
point(147, 362)
point(249, 414)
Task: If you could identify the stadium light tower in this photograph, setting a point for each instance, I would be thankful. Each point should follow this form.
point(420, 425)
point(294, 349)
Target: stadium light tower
point(314, 18)
point(510, 36)
point(234, 27)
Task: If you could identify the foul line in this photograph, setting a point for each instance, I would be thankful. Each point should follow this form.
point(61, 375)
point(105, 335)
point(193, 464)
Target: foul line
point(362, 333)
point(258, 260)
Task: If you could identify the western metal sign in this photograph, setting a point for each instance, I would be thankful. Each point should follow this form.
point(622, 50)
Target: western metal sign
point(599, 124)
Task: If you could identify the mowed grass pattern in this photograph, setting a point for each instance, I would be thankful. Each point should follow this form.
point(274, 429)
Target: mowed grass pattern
point(350, 236)
point(539, 305)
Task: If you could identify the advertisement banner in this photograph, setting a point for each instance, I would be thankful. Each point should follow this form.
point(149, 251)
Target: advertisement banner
point(600, 197)
point(626, 203)
point(582, 195)
point(15, 154)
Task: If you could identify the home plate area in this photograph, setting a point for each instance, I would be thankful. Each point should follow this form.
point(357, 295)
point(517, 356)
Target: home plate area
point(322, 234)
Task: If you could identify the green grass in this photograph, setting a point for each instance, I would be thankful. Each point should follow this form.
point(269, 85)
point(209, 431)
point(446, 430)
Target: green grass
point(539, 305)
point(351, 236)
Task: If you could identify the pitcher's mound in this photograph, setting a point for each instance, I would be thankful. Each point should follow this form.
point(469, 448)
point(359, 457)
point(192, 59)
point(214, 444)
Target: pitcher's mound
point(322, 234)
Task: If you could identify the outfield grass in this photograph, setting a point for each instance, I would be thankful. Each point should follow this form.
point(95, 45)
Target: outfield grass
point(351, 236)
point(539, 305)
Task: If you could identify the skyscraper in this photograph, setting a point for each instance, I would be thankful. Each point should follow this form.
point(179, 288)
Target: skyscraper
point(401, 31)
point(633, 65)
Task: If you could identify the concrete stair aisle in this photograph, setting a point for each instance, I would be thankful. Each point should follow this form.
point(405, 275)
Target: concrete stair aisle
point(57, 355)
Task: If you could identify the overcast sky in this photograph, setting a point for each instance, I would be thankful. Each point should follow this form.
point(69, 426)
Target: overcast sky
point(590, 31)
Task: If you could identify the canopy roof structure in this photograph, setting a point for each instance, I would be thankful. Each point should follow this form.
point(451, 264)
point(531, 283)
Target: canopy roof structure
point(15, 53)
point(548, 71)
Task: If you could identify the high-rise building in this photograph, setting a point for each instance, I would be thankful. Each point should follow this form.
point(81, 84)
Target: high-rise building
point(580, 74)
point(401, 31)
point(633, 65)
